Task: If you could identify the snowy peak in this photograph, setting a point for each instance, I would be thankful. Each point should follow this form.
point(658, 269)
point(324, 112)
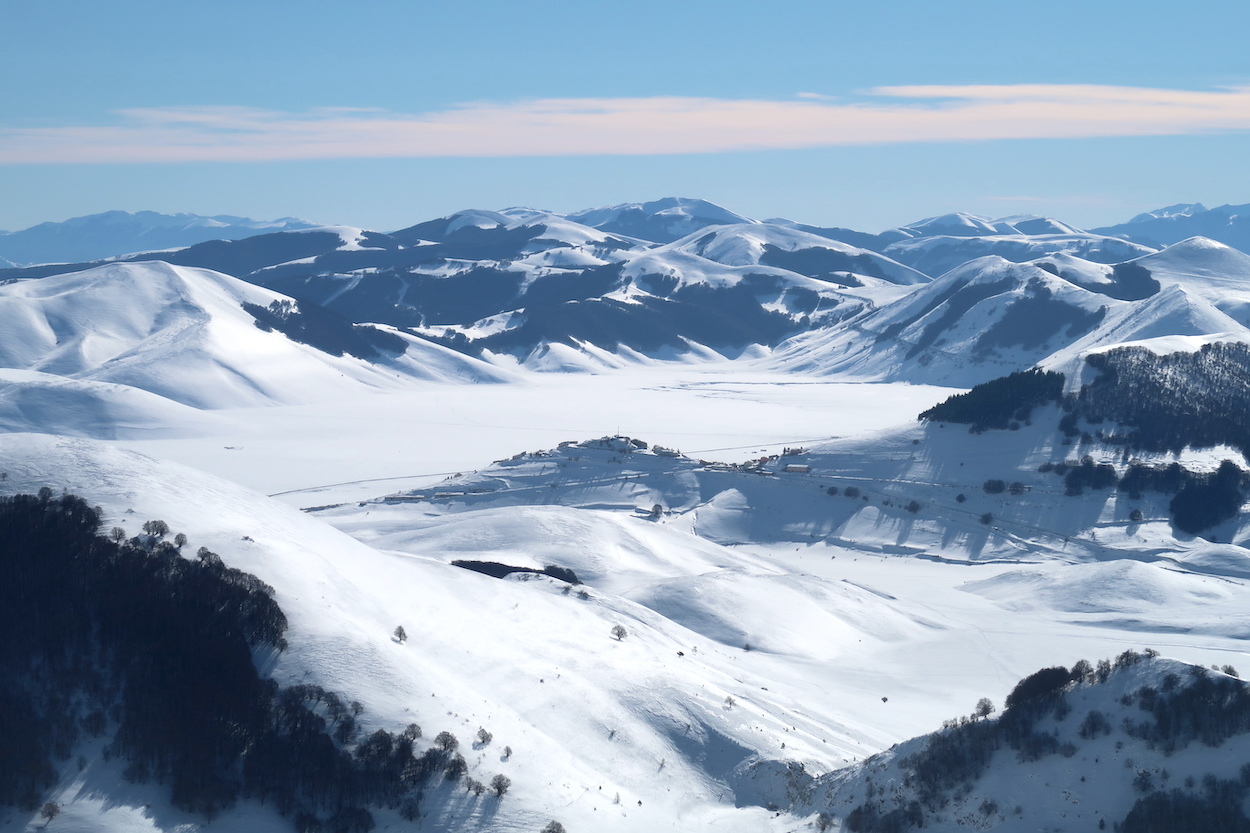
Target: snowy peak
point(660, 221)
point(116, 233)
point(963, 224)
point(1201, 260)
point(955, 224)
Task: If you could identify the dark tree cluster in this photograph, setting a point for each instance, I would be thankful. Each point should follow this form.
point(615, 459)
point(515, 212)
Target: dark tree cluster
point(495, 569)
point(1000, 403)
point(1209, 710)
point(1084, 475)
point(1153, 403)
point(1201, 500)
point(1217, 807)
point(126, 638)
point(1165, 403)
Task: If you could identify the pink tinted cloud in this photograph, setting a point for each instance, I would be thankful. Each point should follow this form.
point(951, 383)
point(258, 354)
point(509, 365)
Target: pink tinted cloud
point(636, 126)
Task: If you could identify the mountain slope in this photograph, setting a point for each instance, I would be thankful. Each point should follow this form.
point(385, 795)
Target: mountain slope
point(974, 323)
point(186, 335)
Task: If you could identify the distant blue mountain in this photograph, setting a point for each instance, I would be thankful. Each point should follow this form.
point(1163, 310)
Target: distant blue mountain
point(1229, 224)
point(116, 233)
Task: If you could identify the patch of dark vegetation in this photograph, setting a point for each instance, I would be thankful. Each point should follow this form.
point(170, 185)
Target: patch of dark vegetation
point(318, 327)
point(129, 640)
point(494, 569)
point(1217, 807)
point(1000, 402)
point(1086, 475)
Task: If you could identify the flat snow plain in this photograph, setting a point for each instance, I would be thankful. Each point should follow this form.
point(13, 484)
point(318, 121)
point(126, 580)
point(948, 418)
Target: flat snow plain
point(362, 446)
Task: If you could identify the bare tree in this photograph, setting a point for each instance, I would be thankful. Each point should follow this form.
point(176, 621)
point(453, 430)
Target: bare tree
point(619, 632)
point(500, 784)
point(49, 811)
point(985, 708)
point(157, 529)
point(400, 635)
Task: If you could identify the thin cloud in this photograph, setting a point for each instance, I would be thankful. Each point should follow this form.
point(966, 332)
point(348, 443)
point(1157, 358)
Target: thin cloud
point(636, 126)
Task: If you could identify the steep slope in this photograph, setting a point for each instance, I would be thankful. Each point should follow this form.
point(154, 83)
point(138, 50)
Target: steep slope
point(121, 232)
point(1212, 270)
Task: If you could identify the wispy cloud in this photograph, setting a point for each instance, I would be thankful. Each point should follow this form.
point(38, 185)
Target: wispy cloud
point(636, 126)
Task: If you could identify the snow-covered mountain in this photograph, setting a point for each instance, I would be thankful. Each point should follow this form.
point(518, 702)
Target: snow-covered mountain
point(522, 282)
point(196, 337)
point(990, 316)
point(764, 244)
point(659, 221)
point(116, 233)
point(939, 244)
point(1229, 224)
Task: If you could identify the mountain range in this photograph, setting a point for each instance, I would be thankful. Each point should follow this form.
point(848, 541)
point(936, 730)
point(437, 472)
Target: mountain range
point(935, 529)
point(515, 285)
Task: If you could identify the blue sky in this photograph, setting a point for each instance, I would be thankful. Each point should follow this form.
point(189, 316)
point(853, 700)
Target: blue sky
point(383, 114)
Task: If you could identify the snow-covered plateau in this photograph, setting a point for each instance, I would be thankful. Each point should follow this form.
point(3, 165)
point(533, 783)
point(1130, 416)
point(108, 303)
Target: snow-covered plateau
point(651, 517)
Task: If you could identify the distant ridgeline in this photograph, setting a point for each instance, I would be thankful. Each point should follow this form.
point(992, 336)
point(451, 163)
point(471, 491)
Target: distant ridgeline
point(1144, 402)
point(130, 641)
